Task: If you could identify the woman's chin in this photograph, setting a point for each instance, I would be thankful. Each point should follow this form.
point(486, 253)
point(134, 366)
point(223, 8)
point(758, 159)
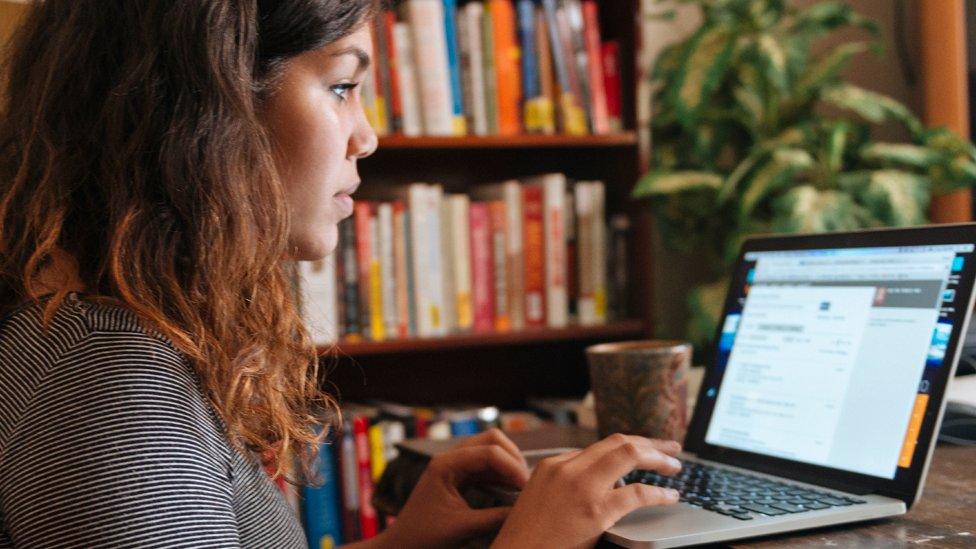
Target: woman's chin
point(315, 247)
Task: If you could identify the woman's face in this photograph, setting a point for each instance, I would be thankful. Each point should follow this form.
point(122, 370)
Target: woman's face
point(319, 131)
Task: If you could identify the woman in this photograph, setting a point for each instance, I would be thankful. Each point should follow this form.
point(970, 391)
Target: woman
point(160, 164)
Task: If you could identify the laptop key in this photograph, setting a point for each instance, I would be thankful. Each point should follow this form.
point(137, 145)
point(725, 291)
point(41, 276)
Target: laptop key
point(833, 502)
point(764, 509)
point(816, 505)
point(742, 516)
point(789, 508)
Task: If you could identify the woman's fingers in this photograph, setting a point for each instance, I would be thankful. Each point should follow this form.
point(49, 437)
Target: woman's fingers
point(485, 460)
point(641, 452)
point(493, 436)
point(634, 496)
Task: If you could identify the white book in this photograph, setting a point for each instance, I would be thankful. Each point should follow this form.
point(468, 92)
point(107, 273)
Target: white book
point(554, 225)
point(460, 231)
point(425, 234)
point(409, 101)
point(426, 18)
point(319, 299)
point(447, 268)
point(471, 16)
point(586, 302)
point(600, 247)
point(384, 214)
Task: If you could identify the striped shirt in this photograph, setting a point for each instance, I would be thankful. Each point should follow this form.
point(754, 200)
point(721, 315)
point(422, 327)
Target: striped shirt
point(106, 440)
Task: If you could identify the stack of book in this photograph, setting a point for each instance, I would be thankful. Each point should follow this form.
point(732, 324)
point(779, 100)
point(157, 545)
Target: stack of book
point(340, 510)
point(493, 67)
point(513, 255)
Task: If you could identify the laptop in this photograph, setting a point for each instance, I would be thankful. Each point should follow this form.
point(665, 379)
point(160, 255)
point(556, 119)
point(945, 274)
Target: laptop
point(823, 400)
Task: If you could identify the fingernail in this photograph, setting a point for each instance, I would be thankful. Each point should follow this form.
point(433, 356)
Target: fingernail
point(674, 462)
point(673, 494)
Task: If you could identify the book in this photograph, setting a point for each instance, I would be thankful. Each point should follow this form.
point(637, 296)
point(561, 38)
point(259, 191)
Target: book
point(349, 465)
point(424, 202)
point(426, 18)
point(447, 263)
point(401, 269)
point(619, 266)
point(368, 520)
point(391, 51)
point(473, 63)
point(599, 240)
point(498, 229)
point(586, 300)
point(319, 300)
point(349, 284)
point(553, 189)
point(510, 192)
point(387, 279)
point(322, 509)
point(458, 210)
point(362, 211)
point(411, 123)
point(572, 115)
point(506, 58)
point(531, 90)
point(598, 94)
point(377, 326)
point(482, 267)
point(572, 10)
point(381, 76)
point(454, 63)
point(534, 256)
point(547, 77)
point(610, 56)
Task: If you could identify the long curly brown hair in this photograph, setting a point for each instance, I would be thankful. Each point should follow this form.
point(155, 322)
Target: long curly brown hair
point(130, 138)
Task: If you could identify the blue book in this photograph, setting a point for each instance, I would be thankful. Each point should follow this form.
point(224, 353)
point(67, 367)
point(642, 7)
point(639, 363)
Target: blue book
point(530, 59)
point(323, 517)
point(454, 63)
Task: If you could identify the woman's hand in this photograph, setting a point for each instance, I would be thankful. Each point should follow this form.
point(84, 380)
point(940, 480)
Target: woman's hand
point(571, 499)
point(435, 515)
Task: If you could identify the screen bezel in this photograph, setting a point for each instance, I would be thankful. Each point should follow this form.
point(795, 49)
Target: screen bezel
point(907, 487)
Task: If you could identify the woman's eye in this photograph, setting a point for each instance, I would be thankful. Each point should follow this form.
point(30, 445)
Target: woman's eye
point(343, 90)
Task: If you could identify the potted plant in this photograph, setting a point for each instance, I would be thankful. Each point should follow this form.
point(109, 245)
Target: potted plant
point(754, 133)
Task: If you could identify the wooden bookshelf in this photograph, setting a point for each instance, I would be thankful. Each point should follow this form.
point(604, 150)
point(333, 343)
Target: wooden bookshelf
point(476, 341)
point(506, 368)
point(623, 139)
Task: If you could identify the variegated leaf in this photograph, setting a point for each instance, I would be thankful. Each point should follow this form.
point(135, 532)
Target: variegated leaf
point(665, 183)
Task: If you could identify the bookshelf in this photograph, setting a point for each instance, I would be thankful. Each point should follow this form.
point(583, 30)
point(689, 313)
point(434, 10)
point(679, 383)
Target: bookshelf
point(506, 368)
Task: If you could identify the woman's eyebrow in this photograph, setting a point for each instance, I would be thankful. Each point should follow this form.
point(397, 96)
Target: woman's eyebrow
point(360, 54)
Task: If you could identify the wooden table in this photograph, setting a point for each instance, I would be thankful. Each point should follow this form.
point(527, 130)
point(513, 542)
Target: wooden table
point(944, 517)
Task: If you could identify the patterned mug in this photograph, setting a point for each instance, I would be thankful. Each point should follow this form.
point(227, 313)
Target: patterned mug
point(641, 387)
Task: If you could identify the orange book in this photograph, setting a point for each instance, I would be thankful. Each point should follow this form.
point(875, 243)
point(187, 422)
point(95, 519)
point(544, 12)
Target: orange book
point(499, 237)
point(535, 255)
point(508, 76)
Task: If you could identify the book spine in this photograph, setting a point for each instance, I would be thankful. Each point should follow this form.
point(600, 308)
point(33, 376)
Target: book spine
point(381, 76)
point(534, 249)
point(394, 101)
point(425, 217)
point(572, 255)
point(610, 54)
point(454, 63)
point(481, 267)
point(461, 256)
point(377, 455)
point(387, 269)
point(412, 314)
point(554, 197)
point(350, 281)
point(577, 40)
point(448, 267)
point(586, 304)
point(368, 521)
point(319, 300)
point(321, 510)
point(361, 215)
point(598, 94)
point(547, 76)
point(499, 230)
point(508, 79)
point(401, 268)
point(377, 327)
point(491, 85)
point(426, 18)
point(472, 15)
point(351, 529)
point(525, 10)
point(599, 252)
point(515, 257)
point(620, 226)
point(406, 71)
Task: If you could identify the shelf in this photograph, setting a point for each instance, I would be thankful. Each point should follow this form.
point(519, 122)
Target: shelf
point(614, 330)
point(399, 142)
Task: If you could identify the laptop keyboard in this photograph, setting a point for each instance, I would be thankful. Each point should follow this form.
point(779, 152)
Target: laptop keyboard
point(740, 495)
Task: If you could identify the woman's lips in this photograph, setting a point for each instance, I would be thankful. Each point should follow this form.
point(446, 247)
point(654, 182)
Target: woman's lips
point(345, 204)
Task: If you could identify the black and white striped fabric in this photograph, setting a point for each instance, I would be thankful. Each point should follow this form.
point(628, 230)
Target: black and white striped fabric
point(106, 440)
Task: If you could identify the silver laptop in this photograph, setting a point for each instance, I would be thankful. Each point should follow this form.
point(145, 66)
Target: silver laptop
point(826, 388)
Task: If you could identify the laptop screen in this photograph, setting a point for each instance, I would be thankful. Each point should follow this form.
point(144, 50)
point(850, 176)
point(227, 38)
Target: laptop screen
point(827, 355)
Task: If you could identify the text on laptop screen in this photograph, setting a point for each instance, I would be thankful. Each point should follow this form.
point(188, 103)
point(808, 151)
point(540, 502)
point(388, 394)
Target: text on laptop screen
point(828, 354)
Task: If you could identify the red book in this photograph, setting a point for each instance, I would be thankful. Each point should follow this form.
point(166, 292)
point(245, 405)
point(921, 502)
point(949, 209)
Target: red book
point(499, 236)
point(535, 256)
point(362, 212)
point(598, 94)
point(611, 83)
point(482, 268)
point(368, 521)
point(396, 106)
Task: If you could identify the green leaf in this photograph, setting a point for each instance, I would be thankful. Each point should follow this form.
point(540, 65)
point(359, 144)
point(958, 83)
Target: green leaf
point(896, 198)
point(805, 209)
point(663, 183)
point(824, 17)
point(872, 106)
point(779, 170)
point(773, 59)
point(900, 154)
point(827, 68)
point(704, 64)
